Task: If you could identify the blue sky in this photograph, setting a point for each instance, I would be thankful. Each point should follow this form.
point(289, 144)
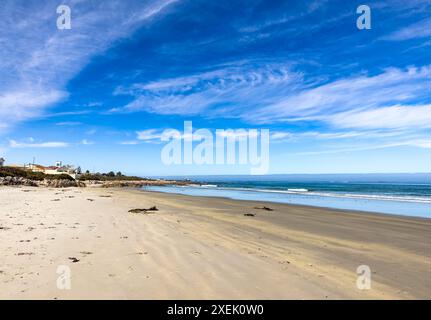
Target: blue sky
point(335, 98)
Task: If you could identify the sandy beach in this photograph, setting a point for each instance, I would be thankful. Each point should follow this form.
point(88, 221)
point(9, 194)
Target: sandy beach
point(202, 248)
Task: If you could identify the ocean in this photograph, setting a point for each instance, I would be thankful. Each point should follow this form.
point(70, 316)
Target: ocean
point(401, 194)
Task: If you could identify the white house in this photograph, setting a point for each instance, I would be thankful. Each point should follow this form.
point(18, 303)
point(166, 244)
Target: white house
point(35, 167)
point(55, 170)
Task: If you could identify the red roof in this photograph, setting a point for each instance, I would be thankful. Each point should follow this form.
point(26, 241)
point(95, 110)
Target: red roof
point(39, 166)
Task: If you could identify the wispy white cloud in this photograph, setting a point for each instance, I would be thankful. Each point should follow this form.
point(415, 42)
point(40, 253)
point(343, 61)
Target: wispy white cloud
point(68, 123)
point(130, 142)
point(32, 143)
point(237, 134)
point(355, 93)
point(421, 29)
point(86, 142)
point(156, 135)
point(272, 93)
point(393, 117)
point(51, 144)
point(93, 104)
point(347, 135)
point(24, 103)
point(226, 90)
point(37, 60)
point(150, 134)
point(280, 135)
point(420, 143)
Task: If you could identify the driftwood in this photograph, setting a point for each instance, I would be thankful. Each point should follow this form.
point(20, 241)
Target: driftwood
point(144, 210)
point(264, 208)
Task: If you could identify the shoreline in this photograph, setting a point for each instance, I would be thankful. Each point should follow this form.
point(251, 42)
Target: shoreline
point(304, 206)
point(203, 248)
point(377, 206)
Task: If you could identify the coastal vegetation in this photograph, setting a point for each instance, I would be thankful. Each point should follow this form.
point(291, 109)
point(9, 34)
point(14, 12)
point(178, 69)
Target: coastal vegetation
point(15, 176)
point(110, 176)
point(29, 174)
point(87, 176)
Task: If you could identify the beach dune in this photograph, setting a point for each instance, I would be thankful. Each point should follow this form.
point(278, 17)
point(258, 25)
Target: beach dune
point(202, 248)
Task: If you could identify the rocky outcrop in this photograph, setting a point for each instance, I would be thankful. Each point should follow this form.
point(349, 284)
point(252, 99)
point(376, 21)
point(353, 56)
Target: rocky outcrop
point(141, 183)
point(17, 181)
point(60, 183)
point(67, 183)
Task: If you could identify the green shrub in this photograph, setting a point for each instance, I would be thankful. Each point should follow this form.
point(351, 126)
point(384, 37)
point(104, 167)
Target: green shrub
point(23, 173)
point(28, 174)
point(108, 177)
point(62, 176)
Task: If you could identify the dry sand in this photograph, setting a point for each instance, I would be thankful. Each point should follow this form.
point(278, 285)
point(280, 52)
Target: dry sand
point(202, 248)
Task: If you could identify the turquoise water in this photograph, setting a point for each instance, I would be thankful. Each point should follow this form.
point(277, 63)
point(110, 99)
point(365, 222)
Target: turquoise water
point(408, 195)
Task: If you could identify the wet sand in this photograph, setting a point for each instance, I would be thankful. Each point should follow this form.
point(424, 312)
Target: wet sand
point(202, 248)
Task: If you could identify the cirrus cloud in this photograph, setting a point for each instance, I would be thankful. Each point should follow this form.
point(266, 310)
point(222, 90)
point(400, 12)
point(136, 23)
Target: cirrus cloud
point(37, 60)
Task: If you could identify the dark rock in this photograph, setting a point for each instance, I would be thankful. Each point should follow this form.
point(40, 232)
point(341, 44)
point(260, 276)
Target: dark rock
point(17, 181)
point(264, 208)
point(56, 183)
point(144, 210)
